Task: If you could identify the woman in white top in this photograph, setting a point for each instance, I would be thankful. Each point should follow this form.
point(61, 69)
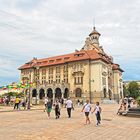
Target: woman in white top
point(69, 106)
point(87, 109)
point(97, 111)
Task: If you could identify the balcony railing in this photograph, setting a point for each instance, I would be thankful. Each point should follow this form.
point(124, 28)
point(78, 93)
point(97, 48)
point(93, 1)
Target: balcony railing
point(82, 70)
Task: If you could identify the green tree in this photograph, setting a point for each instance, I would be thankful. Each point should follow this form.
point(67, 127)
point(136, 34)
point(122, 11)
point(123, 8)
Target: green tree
point(13, 94)
point(125, 91)
point(133, 89)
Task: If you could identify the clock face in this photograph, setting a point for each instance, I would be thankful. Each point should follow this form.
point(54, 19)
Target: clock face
point(104, 73)
point(120, 80)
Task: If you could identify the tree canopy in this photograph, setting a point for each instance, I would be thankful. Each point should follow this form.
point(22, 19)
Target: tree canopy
point(133, 89)
point(13, 94)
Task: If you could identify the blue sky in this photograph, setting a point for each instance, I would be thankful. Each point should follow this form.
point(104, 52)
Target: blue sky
point(42, 28)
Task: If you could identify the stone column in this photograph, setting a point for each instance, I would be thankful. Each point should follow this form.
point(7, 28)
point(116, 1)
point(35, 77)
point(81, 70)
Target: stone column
point(31, 99)
point(45, 91)
point(53, 95)
point(62, 91)
point(37, 97)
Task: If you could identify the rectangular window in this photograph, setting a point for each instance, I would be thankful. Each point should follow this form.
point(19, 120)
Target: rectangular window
point(57, 69)
point(50, 70)
point(43, 71)
point(78, 79)
point(65, 72)
point(103, 80)
point(81, 80)
point(75, 80)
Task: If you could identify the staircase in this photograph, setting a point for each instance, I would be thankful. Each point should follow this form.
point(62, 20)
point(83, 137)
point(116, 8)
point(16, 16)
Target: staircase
point(107, 101)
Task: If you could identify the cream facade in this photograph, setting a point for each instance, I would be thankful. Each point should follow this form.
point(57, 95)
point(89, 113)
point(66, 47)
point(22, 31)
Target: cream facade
point(85, 74)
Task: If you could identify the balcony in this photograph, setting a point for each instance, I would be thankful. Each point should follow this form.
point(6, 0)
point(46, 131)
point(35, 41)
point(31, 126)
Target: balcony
point(82, 70)
point(25, 75)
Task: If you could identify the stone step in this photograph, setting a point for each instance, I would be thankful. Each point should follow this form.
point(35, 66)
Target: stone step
point(107, 101)
point(133, 114)
point(134, 109)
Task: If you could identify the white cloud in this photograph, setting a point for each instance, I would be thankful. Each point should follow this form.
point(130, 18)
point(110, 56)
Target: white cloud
point(42, 28)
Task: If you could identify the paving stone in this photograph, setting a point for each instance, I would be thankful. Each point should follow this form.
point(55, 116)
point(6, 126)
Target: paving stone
point(34, 125)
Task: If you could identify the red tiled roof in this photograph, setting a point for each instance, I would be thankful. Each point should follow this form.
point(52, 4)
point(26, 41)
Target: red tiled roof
point(76, 56)
point(117, 67)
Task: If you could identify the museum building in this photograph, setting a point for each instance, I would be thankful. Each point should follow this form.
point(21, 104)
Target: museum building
point(88, 73)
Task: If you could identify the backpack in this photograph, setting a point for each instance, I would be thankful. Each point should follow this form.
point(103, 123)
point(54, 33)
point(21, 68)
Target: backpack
point(49, 104)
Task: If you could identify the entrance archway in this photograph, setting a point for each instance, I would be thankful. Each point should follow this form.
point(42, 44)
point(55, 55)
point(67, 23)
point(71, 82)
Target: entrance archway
point(78, 92)
point(58, 93)
point(50, 93)
point(34, 93)
point(66, 93)
point(104, 92)
point(41, 94)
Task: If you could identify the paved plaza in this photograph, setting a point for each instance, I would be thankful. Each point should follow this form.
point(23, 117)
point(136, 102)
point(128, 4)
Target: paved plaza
point(34, 125)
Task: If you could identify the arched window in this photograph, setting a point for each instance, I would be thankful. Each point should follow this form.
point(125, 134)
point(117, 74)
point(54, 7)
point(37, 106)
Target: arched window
point(58, 93)
point(34, 93)
point(50, 93)
point(78, 92)
point(110, 94)
point(66, 93)
point(41, 94)
point(104, 92)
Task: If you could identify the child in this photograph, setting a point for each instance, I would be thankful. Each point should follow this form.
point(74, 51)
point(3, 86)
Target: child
point(87, 109)
point(97, 111)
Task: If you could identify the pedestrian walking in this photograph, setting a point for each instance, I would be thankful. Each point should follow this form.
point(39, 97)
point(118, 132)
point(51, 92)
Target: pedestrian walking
point(69, 106)
point(17, 101)
point(45, 103)
point(78, 102)
point(97, 111)
point(20, 103)
point(62, 102)
point(57, 109)
point(86, 109)
point(49, 107)
point(24, 104)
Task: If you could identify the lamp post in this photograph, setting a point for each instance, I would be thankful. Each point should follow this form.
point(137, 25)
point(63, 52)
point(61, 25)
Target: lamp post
point(63, 87)
point(28, 99)
point(29, 91)
point(36, 81)
point(36, 91)
point(90, 81)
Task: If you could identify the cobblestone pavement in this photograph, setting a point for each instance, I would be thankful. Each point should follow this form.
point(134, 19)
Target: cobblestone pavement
point(34, 125)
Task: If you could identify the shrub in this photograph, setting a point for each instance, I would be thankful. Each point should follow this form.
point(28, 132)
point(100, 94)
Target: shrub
point(138, 100)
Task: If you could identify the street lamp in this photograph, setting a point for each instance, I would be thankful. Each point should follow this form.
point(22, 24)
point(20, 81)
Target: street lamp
point(36, 80)
point(29, 90)
point(28, 99)
point(90, 81)
point(63, 87)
